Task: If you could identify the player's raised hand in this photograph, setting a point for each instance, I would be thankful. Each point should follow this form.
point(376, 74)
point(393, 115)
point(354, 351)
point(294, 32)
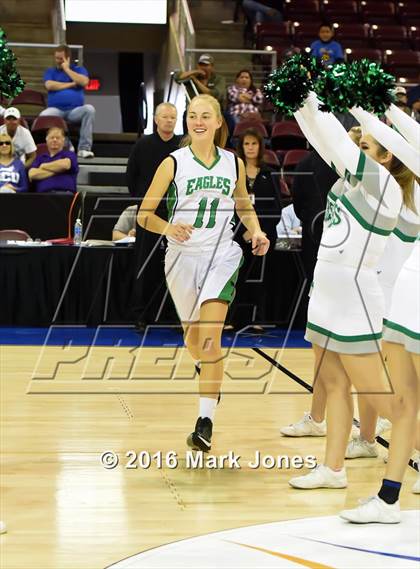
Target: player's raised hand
point(180, 231)
point(260, 243)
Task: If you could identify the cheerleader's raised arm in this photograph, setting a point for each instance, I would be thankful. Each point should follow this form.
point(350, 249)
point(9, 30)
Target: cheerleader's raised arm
point(341, 150)
point(389, 139)
point(407, 126)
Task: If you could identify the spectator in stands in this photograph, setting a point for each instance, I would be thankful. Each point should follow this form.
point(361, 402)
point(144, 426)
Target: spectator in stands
point(264, 197)
point(401, 99)
point(145, 157)
point(149, 151)
point(12, 171)
point(243, 97)
point(56, 170)
point(65, 84)
point(414, 102)
point(326, 49)
point(126, 224)
point(289, 223)
point(401, 94)
point(23, 143)
point(263, 10)
point(204, 78)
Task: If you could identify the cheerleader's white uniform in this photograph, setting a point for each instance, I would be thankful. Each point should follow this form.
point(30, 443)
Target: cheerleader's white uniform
point(403, 323)
point(398, 249)
point(346, 307)
point(206, 266)
point(399, 267)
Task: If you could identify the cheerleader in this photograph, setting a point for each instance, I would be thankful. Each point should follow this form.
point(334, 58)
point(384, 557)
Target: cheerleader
point(346, 306)
point(205, 183)
point(398, 249)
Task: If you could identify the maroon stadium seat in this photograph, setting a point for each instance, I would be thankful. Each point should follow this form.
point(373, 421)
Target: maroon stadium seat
point(270, 158)
point(307, 10)
point(46, 122)
point(41, 148)
point(376, 12)
point(273, 33)
point(403, 64)
point(353, 35)
point(389, 37)
point(244, 125)
point(364, 53)
point(292, 158)
point(340, 11)
point(14, 235)
point(305, 32)
point(287, 135)
point(414, 34)
point(408, 13)
point(29, 97)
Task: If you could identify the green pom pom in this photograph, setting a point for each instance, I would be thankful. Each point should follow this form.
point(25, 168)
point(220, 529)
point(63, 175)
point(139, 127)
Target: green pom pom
point(372, 88)
point(334, 89)
point(11, 83)
point(288, 86)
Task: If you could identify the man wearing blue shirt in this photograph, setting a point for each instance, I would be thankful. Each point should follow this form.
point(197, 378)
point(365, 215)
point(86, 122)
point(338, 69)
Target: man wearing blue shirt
point(327, 50)
point(65, 84)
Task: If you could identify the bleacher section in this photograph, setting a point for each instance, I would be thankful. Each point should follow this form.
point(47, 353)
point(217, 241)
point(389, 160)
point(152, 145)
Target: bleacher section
point(387, 32)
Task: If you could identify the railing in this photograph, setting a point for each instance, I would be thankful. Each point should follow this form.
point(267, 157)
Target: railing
point(184, 27)
point(78, 48)
point(59, 22)
point(263, 62)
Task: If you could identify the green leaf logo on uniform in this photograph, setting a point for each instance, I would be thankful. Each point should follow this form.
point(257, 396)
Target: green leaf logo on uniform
point(332, 213)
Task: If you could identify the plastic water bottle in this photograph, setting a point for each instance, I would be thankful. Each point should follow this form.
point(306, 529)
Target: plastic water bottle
point(77, 238)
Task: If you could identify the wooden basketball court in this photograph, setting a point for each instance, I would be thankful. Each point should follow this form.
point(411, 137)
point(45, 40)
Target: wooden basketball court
point(65, 510)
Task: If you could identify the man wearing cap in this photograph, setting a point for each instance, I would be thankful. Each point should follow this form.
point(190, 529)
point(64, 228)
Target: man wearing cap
point(23, 143)
point(204, 78)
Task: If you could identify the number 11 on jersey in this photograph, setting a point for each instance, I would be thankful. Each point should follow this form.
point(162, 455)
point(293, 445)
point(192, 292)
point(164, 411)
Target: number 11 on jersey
point(202, 206)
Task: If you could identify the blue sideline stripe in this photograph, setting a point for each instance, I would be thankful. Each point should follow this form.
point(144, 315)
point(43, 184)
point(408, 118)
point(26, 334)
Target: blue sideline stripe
point(384, 553)
point(127, 337)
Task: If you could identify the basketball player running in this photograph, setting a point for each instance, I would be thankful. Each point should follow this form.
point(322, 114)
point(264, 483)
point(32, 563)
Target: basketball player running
point(346, 334)
point(205, 184)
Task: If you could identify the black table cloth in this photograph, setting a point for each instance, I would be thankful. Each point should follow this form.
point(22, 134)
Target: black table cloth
point(40, 286)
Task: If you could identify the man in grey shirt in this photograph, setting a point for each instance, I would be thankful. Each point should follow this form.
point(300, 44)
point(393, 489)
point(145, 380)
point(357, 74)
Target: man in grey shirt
point(126, 224)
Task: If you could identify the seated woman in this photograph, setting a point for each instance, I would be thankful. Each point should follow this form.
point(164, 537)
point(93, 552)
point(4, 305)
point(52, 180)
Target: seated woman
point(264, 196)
point(12, 170)
point(243, 97)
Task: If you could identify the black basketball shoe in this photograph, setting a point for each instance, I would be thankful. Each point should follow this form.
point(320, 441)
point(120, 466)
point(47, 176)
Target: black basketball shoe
point(200, 439)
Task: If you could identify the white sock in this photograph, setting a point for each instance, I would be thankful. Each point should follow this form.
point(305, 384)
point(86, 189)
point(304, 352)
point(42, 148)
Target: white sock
point(207, 407)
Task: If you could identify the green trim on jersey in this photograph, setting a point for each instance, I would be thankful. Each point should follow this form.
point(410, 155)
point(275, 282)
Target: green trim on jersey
point(404, 237)
point(402, 329)
point(216, 160)
point(360, 166)
point(172, 200)
point(228, 292)
point(365, 224)
point(340, 338)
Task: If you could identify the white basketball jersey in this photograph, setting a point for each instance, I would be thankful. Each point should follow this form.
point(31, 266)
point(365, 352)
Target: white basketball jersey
point(203, 197)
